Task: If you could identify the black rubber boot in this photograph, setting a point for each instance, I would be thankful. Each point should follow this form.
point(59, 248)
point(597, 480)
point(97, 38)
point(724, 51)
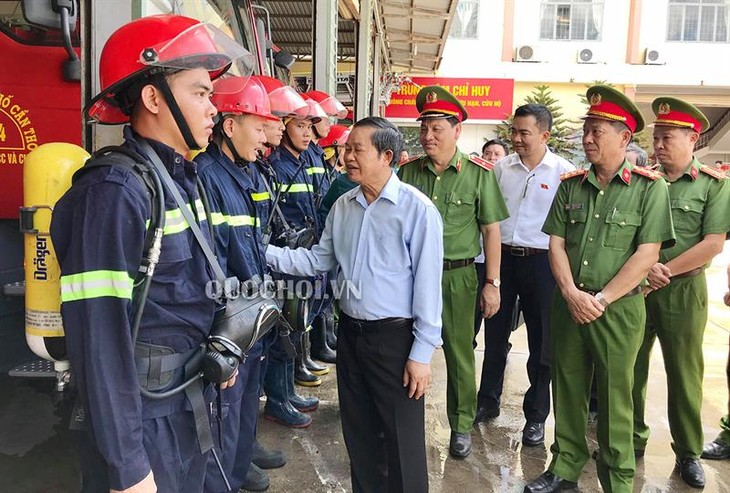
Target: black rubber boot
point(318, 337)
point(302, 376)
point(300, 402)
point(267, 459)
point(278, 408)
point(311, 365)
point(330, 327)
point(256, 479)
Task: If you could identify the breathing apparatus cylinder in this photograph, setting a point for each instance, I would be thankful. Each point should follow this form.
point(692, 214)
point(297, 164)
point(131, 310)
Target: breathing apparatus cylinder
point(47, 175)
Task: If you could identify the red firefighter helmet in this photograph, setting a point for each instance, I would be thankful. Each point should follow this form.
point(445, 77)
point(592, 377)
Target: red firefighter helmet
point(336, 137)
point(316, 112)
point(234, 95)
point(329, 104)
point(285, 100)
point(160, 42)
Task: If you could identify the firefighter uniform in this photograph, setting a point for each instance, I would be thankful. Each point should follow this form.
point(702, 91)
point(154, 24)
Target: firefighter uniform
point(317, 170)
point(467, 196)
point(98, 230)
point(240, 251)
point(677, 313)
point(296, 188)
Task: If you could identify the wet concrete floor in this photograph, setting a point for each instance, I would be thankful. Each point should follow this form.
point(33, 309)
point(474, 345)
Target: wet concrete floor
point(36, 453)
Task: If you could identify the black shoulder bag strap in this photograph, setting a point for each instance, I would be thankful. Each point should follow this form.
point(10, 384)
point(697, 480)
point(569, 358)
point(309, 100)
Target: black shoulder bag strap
point(226, 286)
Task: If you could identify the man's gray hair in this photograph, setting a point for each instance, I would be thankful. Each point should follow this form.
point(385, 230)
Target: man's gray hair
point(642, 159)
point(386, 136)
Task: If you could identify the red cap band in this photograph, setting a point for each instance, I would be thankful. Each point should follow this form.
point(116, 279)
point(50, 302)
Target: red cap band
point(678, 119)
point(611, 111)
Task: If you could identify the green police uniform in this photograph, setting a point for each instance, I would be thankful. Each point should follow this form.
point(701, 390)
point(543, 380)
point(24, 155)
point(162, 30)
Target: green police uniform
point(677, 313)
point(602, 229)
point(467, 196)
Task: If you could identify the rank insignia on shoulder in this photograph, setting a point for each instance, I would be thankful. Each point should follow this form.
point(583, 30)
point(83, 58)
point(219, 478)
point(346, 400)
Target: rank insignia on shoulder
point(482, 163)
point(571, 174)
point(407, 161)
point(652, 175)
point(713, 172)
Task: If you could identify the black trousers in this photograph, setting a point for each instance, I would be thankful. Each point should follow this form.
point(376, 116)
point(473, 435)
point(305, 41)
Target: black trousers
point(531, 279)
point(382, 427)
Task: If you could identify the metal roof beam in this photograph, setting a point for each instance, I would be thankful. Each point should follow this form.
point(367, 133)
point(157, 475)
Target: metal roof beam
point(414, 11)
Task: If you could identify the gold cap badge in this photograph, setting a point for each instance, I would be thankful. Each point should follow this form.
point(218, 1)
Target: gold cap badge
point(431, 97)
point(664, 109)
point(596, 99)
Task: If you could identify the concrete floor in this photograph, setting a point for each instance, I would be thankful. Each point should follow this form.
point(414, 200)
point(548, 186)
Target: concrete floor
point(36, 453)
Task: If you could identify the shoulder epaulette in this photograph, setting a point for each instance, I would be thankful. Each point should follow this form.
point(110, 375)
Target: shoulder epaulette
point(482, 163)
point(713, 172)
point(571, 174)
point(400, 165)
point(647, 173)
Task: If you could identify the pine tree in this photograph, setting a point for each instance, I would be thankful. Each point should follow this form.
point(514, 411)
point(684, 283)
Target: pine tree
point(561, 139)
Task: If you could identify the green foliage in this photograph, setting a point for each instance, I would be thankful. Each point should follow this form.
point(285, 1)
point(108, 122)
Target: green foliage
point(561, 139)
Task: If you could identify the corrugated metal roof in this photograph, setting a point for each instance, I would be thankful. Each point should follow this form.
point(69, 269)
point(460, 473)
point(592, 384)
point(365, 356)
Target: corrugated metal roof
point(415, 31)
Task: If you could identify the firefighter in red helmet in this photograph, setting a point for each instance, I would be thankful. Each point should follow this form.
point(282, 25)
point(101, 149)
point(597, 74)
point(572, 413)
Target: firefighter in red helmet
point(134, 432)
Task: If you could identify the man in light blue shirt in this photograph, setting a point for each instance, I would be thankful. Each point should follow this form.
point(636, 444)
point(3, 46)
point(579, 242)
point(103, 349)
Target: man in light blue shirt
point(386, 238)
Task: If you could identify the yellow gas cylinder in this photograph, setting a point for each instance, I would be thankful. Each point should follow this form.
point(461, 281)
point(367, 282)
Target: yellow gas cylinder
point(47, 174)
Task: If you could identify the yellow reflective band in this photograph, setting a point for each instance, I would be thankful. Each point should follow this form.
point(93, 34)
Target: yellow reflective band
point(220, 218)
point(175, 221)
point(258, 197)
point(317, 170)
point(295, 187)
point(96, 284)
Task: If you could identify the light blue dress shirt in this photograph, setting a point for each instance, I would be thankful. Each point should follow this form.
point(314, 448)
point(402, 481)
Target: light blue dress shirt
point(390, 252)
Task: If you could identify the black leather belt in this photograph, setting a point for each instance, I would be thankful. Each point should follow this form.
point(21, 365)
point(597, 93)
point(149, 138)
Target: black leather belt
point(633, 292)
point(455, 264)
point(367, 326)
point(518, 251)
point(689, 273)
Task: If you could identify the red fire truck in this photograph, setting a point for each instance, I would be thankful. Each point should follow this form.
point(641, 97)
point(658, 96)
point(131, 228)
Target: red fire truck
point(49, 51)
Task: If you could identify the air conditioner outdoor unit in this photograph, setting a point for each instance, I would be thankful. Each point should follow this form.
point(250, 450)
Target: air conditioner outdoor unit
point(653, 56)
point(588, 55)
point(527, 53)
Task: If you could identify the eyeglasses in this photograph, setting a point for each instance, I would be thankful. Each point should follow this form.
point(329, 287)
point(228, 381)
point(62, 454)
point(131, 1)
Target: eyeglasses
point(527, 184)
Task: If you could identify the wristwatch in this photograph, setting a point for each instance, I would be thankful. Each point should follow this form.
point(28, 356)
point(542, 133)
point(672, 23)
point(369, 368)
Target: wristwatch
point(601, 299)
point(494, 282)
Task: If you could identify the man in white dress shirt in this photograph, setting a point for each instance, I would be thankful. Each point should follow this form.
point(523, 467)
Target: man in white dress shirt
point(529, 179)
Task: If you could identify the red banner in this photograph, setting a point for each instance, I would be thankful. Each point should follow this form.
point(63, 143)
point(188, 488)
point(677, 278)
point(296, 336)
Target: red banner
point(484, 99)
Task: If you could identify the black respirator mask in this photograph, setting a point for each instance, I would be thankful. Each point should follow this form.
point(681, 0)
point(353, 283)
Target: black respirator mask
point(236, 328)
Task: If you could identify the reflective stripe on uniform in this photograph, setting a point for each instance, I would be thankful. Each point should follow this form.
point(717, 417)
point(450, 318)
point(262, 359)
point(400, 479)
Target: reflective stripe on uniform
point(295, 187)
point(219, 218)
point(260, 196)
point(96, 284)
point(315, 170)
point(175, 221)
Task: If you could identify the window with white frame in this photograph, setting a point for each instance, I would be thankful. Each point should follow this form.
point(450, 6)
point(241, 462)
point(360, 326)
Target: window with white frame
point(466, 19)
point(704, 21)
point(571, 20)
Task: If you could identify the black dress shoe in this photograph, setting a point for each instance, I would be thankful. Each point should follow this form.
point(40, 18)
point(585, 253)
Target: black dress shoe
point(691, 472)
point(484, 413)
point(533, 434)
point(716, 450)
point(460, 444)
point(548, 483)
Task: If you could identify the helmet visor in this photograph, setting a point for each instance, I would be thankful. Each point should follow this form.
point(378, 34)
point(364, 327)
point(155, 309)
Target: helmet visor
point(333, 107)
point(316, 113)
point(200, 46)
point(286, 101)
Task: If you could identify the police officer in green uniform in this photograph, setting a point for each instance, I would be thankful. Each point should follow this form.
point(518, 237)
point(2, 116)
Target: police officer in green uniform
point(676, 303)
point(606, 226)
point(467, 195)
